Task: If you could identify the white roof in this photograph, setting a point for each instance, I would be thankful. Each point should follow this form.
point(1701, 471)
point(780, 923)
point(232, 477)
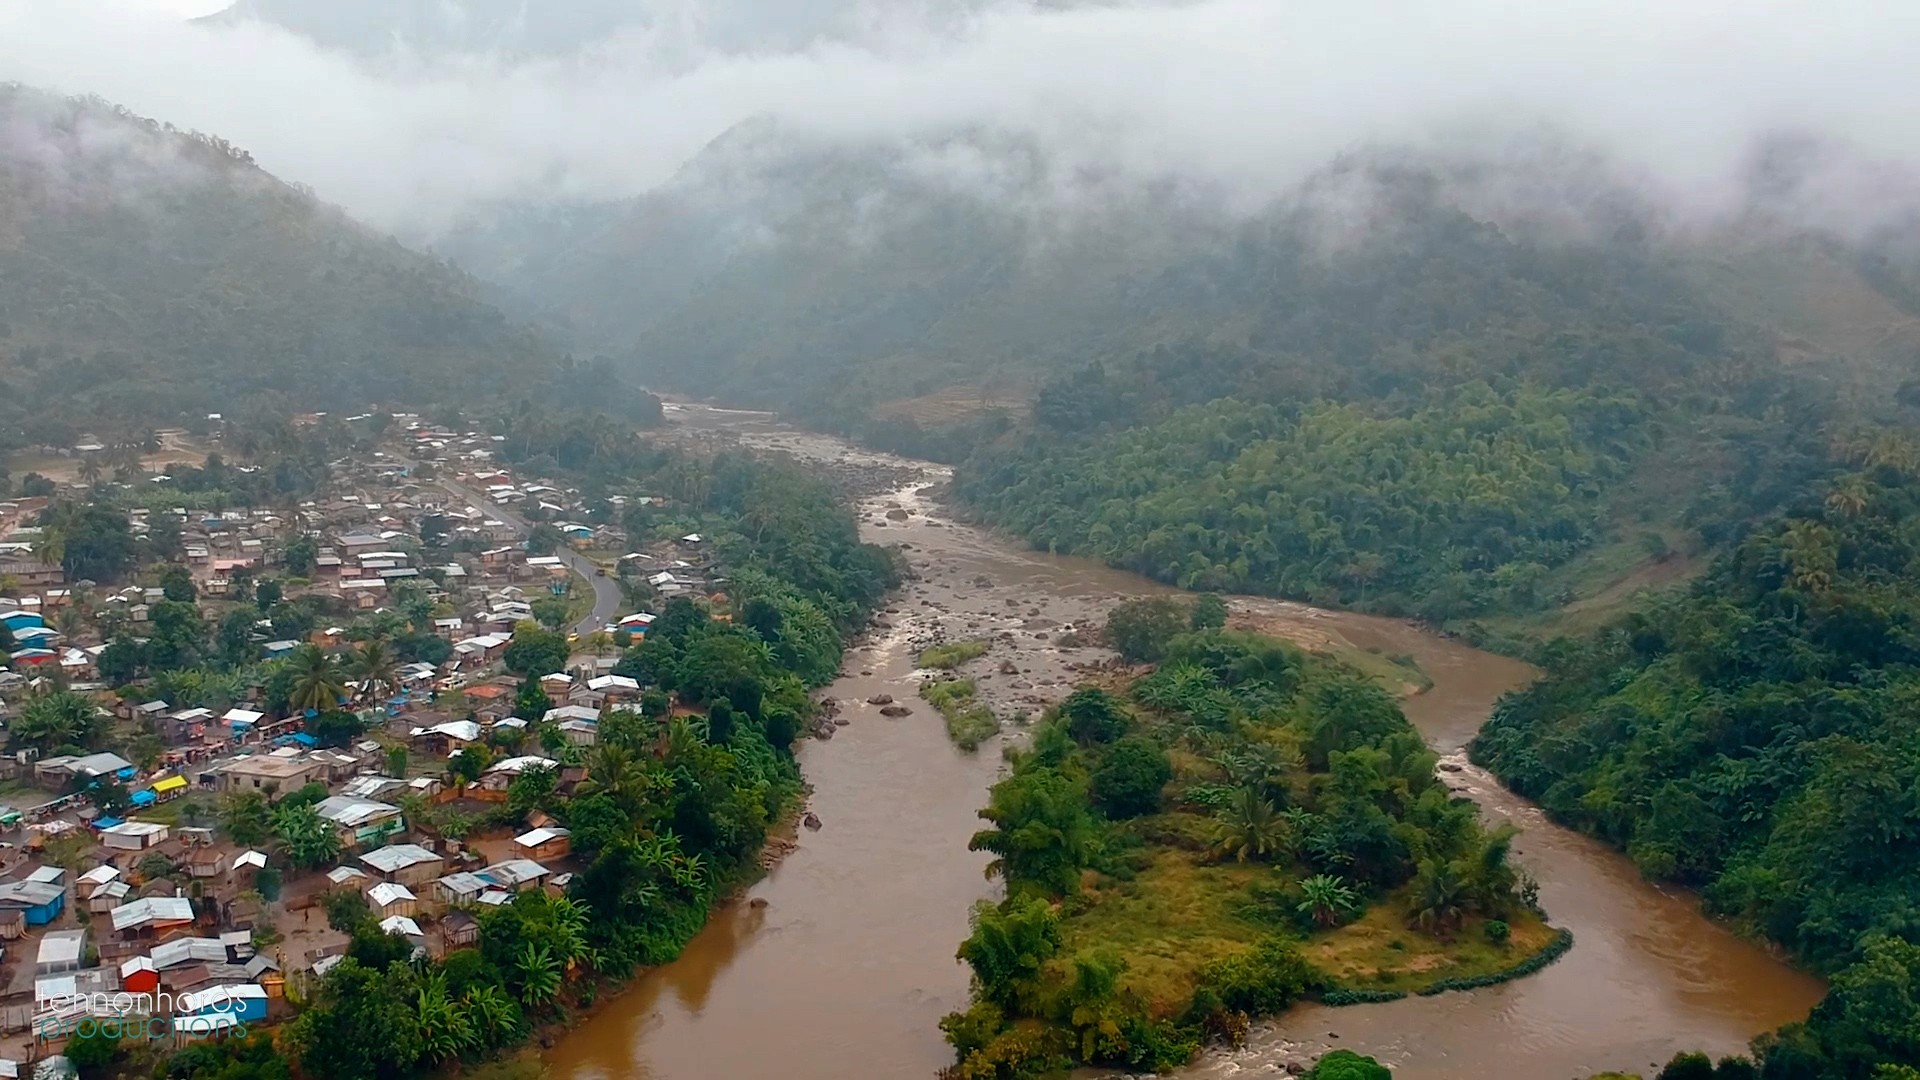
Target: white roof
point(388, 892)
point(342, 810)
point(612, 682)
point(395, 857)
point(180, 950)
point(152, 909)
point(464, 730)
point(256, 859)
point(135, 828)
point(400, 924)
point(340, 875)
point(518, 764)
point(515, 871)
point(572, 712)
point(137, 964)
point(537, 837)
point(62, 947)
point(242, 716)
point(101, 874)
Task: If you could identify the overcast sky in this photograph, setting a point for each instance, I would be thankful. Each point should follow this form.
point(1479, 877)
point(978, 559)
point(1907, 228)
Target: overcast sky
point(1247, 95)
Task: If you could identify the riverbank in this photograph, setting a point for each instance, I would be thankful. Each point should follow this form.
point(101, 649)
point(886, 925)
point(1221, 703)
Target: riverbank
point(854, 947)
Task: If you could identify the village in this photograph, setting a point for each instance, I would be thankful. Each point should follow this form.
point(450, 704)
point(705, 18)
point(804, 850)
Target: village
point(122, 882)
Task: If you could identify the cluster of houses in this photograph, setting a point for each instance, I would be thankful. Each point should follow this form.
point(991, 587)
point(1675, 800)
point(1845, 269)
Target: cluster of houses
point(113, 923)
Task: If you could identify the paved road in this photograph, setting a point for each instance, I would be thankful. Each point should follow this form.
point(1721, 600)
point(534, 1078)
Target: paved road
point(606, 591)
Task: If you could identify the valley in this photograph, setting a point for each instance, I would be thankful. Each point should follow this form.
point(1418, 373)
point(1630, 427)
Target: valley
point(848, 942)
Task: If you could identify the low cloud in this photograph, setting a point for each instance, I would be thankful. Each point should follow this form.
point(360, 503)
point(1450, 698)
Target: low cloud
point(1243, 98)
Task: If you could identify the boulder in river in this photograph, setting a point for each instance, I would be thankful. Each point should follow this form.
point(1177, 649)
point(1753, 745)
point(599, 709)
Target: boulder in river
point(811, 821)
point(896, 711)
point(880, 699)
point(897, 514)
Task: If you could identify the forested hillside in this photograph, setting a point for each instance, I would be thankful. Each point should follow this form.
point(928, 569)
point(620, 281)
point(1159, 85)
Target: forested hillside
point(1399, 388)
point(152, 274)
point(1756, 738)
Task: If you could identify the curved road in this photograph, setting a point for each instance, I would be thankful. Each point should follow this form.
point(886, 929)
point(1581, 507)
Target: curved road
point(606, 592)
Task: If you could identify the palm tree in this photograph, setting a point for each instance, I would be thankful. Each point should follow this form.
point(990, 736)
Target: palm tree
point(1849, 497)
point(1439, 896)
point(316, 680)
point(617, 772)
point(376, 669)
point(90, 470)
point(1326, 898)
point(51, 548)
point(539, 975)
point(1809, 550)
point(1248, 827)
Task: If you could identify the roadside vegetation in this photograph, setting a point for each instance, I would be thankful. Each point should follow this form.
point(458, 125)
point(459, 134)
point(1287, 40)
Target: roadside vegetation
point(1245, 826)
point(1753, 738)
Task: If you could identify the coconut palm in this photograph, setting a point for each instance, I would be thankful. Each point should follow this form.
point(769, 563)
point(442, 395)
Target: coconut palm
point(1849, 497)
point(90, 470)
point(1248, 827)
point(614, 770)
point(317, 684)
point(1440, 896)
point(374, 666)
point(1326, 898)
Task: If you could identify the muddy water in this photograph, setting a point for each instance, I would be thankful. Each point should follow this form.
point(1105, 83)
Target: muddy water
point(840, 962)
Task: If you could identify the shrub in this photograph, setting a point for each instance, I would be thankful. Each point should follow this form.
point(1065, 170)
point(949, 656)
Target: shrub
point(1688, 1067)
point(952, 655)
point(1262, 980)
point(1128, 781)
point(1498, 931)
point(1093, 716)
point(1347, 1065)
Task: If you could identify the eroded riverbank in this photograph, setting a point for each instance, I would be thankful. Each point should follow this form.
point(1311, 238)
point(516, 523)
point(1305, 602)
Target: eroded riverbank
point(840, 962)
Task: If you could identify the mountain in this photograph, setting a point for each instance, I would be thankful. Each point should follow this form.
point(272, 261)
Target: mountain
point(1462, 387)
point(154, 273)
point(798, 273)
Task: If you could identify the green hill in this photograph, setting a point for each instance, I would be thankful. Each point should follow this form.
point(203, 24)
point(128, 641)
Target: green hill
point(153, 274)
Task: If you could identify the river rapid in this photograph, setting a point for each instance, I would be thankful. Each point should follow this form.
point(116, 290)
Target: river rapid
point(840, 962)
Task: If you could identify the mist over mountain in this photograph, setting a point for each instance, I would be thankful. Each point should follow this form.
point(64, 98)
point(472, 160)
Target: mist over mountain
point(524, 29)
point(151, 273)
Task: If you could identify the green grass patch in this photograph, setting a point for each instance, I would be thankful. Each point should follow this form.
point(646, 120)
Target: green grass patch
point(1181, 911)
point(952, 655)
point(1178, 914)
point(969, 723)
point(1378, 952)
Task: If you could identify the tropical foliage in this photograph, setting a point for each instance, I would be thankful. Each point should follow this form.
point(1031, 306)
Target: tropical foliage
point(1754, 737)
point(1170, 856)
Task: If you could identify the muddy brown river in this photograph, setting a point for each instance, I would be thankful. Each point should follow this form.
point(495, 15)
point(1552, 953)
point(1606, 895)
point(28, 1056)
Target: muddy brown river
point(840, 962)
